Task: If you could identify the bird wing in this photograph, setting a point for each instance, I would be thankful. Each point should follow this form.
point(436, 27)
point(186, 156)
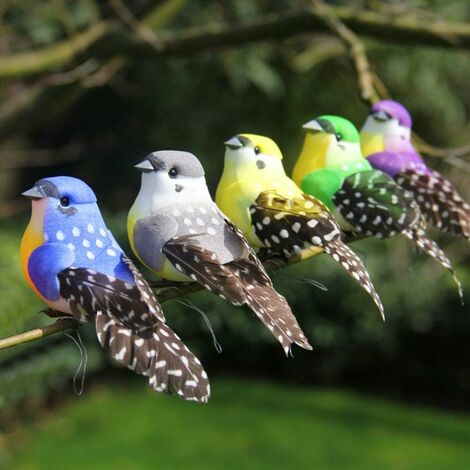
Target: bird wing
point(322, 184)
point(130, 325)
point(288, 225)
point(375, 205)
point(439, 201)
point(203, 266)
point(294, 225)
point(241, 281)
point(149, 235)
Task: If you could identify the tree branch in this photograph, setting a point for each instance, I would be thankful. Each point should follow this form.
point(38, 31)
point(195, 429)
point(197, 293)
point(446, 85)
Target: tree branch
point(25, 111)
point(357, 51)
point(63, 324)
point(108, 38)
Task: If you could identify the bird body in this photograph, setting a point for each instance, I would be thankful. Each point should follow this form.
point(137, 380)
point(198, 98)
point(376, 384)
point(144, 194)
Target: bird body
point(386, 142)
point(179, 233)
point(370, 201)
point(242, 177)
point(72, 261)
point(274, 213)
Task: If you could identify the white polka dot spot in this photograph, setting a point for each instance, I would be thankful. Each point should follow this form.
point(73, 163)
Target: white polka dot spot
point(86, 243)
point(110, 252)
point(75, 231)
point(60, 235)
point(99, 243)
point(103, 232)
point(90, 228)
point(90, 255)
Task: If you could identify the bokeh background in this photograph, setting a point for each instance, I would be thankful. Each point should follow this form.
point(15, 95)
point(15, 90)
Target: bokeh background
point(371, 394)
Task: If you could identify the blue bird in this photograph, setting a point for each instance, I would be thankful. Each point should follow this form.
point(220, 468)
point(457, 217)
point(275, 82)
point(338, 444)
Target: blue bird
point(73, 263)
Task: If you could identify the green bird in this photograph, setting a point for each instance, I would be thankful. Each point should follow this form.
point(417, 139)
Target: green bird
point(365, 201)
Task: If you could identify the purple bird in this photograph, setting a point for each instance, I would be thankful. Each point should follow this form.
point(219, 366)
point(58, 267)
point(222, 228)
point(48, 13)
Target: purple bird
point(386, 142)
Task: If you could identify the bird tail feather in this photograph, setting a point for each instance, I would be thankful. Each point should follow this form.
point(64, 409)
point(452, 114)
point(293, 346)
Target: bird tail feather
point(157, 353)
point(430, 247)
point(351, 262)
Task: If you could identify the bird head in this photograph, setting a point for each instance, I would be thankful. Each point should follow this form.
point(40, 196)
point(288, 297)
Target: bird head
point(330, 142)
point(170, 177)
point(388, 120)
point(250, 156)
point(61, 200)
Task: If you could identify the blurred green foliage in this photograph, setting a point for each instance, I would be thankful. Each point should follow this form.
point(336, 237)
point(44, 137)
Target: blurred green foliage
point(248, 424)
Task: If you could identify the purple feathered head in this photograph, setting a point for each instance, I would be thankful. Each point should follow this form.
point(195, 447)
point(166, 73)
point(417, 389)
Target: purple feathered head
point(392, 109)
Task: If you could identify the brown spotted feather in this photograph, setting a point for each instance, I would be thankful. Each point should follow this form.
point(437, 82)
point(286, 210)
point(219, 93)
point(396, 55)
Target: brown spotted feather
point(438, 200)
point(130, 326)
point(242, 281)
point(289, 226)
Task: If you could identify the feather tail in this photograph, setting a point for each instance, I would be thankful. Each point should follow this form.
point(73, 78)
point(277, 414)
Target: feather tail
point(350, 261)
point(157, 353)
point(418, 236)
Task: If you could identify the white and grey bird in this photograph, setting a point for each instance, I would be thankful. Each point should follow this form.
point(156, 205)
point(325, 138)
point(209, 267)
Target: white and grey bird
point(177, 231)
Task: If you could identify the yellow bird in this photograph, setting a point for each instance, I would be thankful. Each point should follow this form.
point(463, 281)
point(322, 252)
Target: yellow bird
point(273, 213)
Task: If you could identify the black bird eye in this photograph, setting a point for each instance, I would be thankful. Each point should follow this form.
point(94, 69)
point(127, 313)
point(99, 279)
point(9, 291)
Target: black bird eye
point(65, 201)
point(339, 137)
point(257, 150)
point(173, 173)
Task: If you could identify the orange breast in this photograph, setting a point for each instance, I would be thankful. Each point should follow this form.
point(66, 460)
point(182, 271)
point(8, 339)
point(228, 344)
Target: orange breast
point(32, 238)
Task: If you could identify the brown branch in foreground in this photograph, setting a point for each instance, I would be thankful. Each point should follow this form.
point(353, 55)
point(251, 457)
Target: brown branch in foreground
point(168, 293)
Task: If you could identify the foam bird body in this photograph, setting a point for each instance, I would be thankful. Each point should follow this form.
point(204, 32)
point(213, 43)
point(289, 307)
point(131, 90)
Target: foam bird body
point(274, 213)
point(74, 264)
point(331, 167)
point(177, 230)
point(386, 142)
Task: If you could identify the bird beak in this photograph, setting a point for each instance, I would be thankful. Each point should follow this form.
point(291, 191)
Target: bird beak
point(381, 116)
point(35, 193)
point(145, 166)
point(312, 126)
point(233, 143)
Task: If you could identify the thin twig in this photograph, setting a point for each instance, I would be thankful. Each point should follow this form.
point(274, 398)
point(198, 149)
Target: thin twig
point(365, 76)
point(140, 28)
point(63, 324)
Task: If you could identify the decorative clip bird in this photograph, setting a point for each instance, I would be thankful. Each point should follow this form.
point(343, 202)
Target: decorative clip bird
point(386, 142)
point(272, 211)
point(73, 263)
point(179, 233)
point(367, 201)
